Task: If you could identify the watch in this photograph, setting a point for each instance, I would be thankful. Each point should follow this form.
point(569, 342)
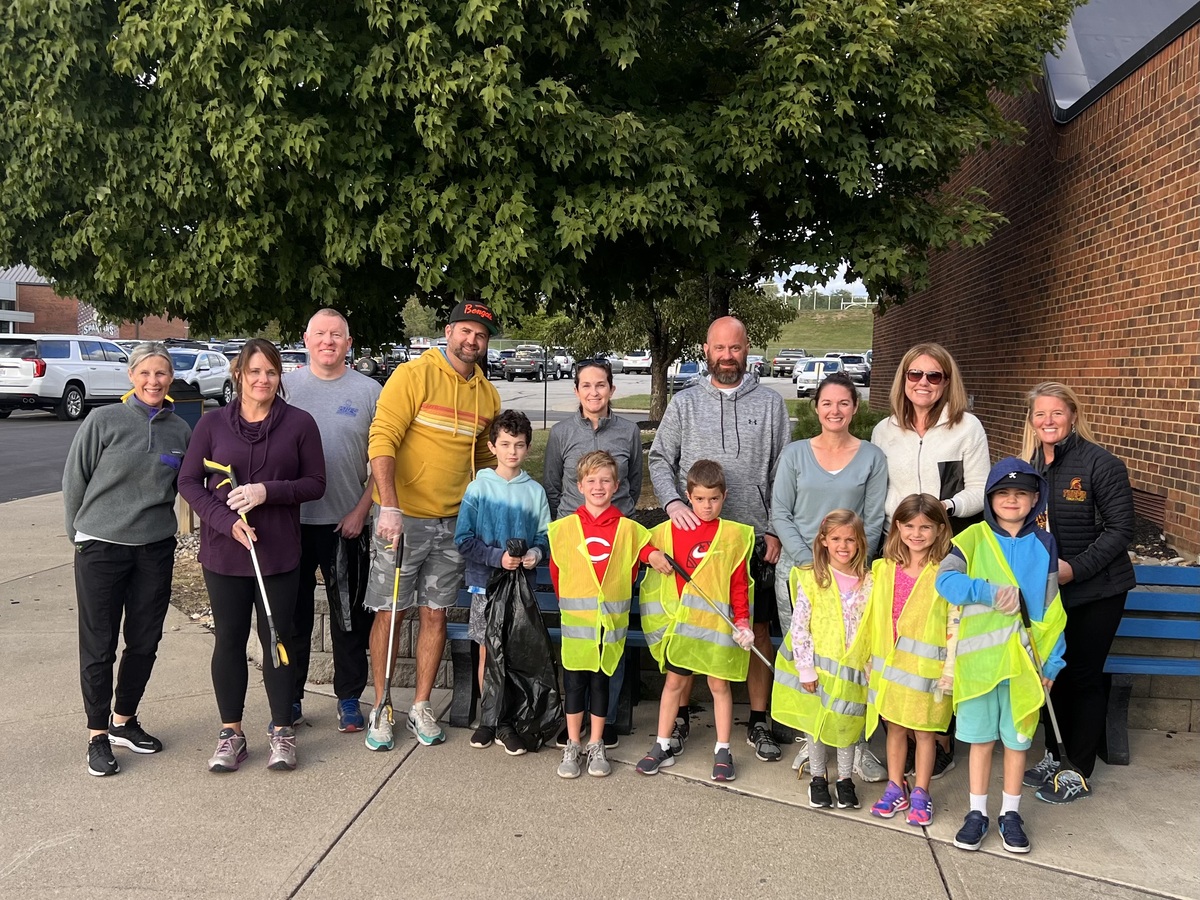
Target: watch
point(950, 508)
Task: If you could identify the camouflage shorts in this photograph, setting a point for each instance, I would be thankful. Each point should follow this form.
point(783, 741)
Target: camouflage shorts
point(431, 569)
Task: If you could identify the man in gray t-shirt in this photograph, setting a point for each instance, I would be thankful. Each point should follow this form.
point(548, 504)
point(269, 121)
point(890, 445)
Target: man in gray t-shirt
point(334, 534)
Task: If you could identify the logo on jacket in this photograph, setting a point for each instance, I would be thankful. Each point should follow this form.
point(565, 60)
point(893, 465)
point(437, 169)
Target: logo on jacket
point(605, 545)
point(696, 555)
point(1075, 492)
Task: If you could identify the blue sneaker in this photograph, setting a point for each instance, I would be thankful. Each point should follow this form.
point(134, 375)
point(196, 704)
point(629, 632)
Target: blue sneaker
point(1012, 831)
point(350, 717)
point(974, 828)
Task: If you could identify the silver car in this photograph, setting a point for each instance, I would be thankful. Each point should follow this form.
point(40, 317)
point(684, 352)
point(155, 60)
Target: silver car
point(65, 373)
point(206, 370)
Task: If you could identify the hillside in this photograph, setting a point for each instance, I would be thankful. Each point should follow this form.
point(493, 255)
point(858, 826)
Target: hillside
point(820, 331)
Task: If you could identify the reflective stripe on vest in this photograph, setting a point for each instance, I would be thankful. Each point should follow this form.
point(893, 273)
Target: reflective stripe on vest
point(595, 614)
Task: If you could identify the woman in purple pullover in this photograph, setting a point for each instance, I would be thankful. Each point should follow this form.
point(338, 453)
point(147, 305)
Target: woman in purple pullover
point(275, 452)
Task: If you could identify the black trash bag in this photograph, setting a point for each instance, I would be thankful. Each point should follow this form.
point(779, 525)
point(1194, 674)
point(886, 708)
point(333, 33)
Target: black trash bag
point(763, 574)
point(520, 675)
point(346, 576)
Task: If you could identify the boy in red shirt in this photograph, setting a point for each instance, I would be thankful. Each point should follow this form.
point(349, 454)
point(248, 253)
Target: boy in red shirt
point(687, 623)
point(594, 559)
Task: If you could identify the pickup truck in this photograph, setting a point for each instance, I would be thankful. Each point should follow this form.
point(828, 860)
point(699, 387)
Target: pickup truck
point(529, 364)
point(785, 361)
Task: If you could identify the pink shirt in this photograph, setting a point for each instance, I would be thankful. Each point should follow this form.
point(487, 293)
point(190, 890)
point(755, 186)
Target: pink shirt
point(900, 594)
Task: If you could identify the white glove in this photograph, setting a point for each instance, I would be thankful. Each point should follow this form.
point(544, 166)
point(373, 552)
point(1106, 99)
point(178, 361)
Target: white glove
point(743, 635)
point(390, 524)
point(245, 497)
point(531, 559)
point(1007, 599)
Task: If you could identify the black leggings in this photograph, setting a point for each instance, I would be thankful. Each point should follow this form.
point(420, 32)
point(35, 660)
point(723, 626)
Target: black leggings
point(232, 597)
point(581, 687)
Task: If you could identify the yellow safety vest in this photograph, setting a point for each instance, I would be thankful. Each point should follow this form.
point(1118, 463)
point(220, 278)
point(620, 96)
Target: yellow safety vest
point(686, 630)
point(835, 714)
point(905, 671)
point(595, 614)
point(993, 646)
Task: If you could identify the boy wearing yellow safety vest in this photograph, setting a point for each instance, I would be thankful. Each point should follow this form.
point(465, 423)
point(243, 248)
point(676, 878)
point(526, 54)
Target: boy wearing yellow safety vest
point(820, 682)
point(594, 558)
point(998, 691)
point(701, 623)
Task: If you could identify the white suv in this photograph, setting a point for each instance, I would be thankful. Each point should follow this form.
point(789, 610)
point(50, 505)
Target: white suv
point(66, 373)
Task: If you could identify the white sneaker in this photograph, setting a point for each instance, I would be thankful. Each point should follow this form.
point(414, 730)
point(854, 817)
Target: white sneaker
point(424, 724)
point(569, 767)
point(866, 766)
point(801, 755)
point(379, 729)
point(598, 764)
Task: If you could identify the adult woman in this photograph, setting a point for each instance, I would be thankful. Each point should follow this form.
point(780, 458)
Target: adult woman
point(1090, 512)
point(119, 494)
point(933, 445)
point(594, 428)
point(275, 452)
point(834, 470)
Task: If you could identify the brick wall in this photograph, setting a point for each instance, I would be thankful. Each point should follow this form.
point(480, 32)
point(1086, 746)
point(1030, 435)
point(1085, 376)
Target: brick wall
point(1094, 281)
point(154, 328)
point(60, 315)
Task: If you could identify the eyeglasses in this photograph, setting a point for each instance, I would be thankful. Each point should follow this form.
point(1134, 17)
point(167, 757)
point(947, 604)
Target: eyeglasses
point(598, 362)
point(915, 375)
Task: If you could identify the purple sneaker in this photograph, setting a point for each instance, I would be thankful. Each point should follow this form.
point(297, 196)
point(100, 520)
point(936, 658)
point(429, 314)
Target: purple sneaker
point(920, 811)
point(894, 800)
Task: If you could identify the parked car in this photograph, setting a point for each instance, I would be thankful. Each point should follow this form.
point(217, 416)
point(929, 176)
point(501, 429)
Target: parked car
point(811, 372)
point(65, 373)
point(565, 360)
point(686, 374)
point(636, 362)
point(756, 364)
point(205, 370)
point(293, 360)
point(857, 368)
point(785, 361)
point(381, 367)
point(526, 363)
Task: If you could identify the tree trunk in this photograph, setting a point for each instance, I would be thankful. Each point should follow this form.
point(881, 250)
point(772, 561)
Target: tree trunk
point(659, 366)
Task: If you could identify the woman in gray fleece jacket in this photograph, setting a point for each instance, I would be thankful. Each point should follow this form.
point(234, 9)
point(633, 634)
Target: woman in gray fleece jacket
point(119, 486)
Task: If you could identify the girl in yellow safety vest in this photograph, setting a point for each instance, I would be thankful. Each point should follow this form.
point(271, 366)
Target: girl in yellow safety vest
point(819, 688)
point(905, 627)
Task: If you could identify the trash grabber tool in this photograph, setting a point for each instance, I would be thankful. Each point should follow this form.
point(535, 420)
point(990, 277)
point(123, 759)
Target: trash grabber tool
point(279, 655)
point(1066, 764)
point(720, 612)
point(385, 708)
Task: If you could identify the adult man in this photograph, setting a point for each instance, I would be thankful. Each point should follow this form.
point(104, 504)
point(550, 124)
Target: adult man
point(342, 402)
point(429, 437)
point(733, 421)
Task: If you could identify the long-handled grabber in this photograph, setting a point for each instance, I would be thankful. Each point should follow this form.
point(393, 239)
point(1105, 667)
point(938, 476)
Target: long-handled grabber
point(278, 653)
point(720, 612)
point(385, 708)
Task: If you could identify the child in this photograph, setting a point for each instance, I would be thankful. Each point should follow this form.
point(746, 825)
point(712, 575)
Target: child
point(594, 557)
point(499, 505)
point(994, 567)
point(830, 595)
point(904, 628)
point(683, 631)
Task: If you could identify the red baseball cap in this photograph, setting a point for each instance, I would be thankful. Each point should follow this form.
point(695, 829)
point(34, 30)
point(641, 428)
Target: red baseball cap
point(474, 311)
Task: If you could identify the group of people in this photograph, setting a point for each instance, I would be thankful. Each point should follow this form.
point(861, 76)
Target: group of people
point(821, 539)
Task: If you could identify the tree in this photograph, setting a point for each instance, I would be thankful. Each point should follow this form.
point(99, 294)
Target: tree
point(236, 163)
point(419, 320)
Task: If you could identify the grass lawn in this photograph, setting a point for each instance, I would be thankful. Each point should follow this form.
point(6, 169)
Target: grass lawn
point(820, 331)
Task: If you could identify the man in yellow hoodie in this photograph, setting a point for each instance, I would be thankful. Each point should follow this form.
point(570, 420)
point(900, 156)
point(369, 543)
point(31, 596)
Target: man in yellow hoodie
point(428, 438)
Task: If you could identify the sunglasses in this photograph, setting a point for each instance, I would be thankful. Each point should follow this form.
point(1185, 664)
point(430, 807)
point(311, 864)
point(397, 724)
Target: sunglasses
point(915, 375)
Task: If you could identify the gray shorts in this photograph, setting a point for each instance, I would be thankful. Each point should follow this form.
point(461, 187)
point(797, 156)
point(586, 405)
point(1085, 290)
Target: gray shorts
point(431, 569)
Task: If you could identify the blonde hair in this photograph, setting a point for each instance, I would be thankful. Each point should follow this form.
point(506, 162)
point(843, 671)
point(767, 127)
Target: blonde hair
point(820, 564)
point(954, 395)
point(908, 509)
point(593, 461)
point(1030, 442)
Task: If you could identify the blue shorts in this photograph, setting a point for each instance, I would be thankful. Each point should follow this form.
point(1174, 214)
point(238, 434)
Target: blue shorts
point(988, 718)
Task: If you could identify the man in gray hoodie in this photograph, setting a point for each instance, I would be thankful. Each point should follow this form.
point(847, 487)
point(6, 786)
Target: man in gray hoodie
point(731, 420)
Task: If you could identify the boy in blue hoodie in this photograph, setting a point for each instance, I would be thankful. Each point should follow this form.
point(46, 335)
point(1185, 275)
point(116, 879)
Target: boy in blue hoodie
point(499, 505)
point(994, 568)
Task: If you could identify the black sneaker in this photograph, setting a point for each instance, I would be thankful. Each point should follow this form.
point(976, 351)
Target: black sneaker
point(943, 760)
point(611, 739)
point(133, 737)
point(511, 742)
point(100, 757)
point(847, 796)
point(973, 831)
point(656, 759)
point(562, 739)
point(679, 735)
point(760, 738)
point(483, 737)
point(818, 793)
point(1012, 833)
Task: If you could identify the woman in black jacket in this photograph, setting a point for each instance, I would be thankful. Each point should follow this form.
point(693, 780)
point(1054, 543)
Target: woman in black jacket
point(1090, 514)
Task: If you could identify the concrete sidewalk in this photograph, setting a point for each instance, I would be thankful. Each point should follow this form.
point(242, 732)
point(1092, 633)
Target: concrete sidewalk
point(455, 822)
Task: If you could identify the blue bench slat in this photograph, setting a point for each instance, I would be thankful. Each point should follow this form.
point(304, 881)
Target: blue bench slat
point(1184, 576)
point(1150, 665)
point(1163, 601)
point(1170, 629)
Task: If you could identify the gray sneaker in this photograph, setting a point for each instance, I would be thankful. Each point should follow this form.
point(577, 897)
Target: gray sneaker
point(569, 767)
point(283, 749)
point(866, 766)
point(801, 755)
point(598, 765)
point(231, 752)
point(1043, 772)
point(424, 724)
point(379, 729)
